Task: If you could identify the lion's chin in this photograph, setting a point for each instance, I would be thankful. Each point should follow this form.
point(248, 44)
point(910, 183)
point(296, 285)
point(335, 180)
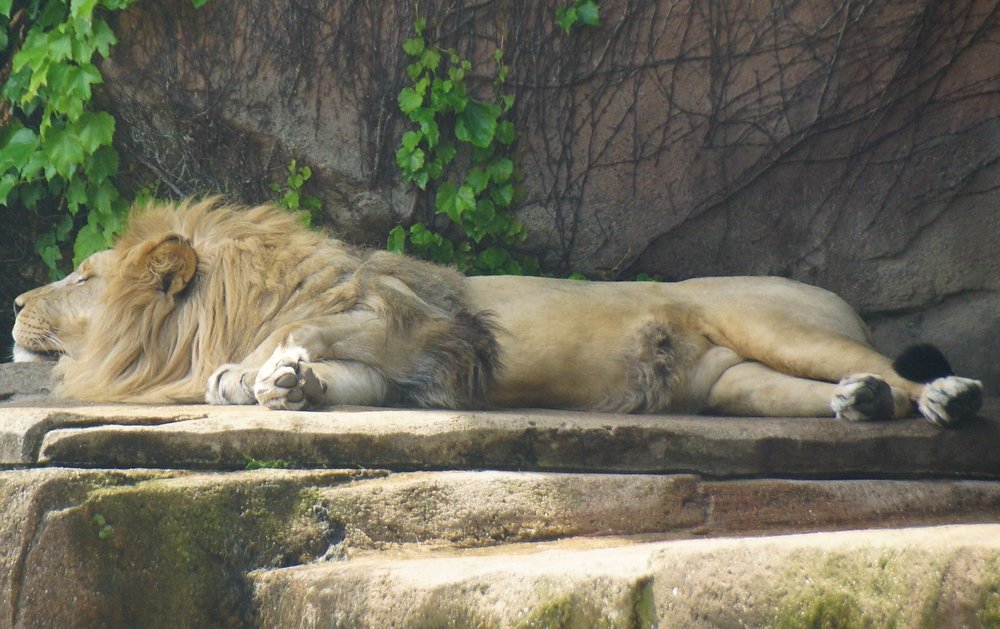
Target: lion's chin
point(25, 355)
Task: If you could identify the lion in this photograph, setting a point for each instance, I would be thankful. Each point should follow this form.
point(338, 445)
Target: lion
point(204, 301)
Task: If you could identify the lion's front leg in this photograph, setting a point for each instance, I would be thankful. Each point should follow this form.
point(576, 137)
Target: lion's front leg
point(289, 380)
point(231, 384)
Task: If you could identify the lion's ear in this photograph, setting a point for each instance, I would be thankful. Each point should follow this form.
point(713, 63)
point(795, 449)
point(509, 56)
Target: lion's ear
point(170, 264)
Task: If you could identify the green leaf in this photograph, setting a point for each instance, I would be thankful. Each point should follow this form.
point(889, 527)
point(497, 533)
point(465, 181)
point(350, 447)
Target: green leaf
point(94, 130)
point(444, 201)
point(49, 252)
point(501, 170)
point(5, 7)
point(445, 153)
point(103, 38)
point(589, 13)
point(60, 45)
point(396, 242)
point(82, 9)
point(76, 194)
point(7, 183)
point(566, 17)
point(410, 161)
point(477, 179)
point(492, 258)
point(63, 149)
point(31, 193)
point(477, 124)
point(431, 59)
point(103, 199)
point(18, 149)
point(409, 101)
point(102, 163)
point(505, 132)
point(69, 86)
point(503, 195)
point(199, 3)
point(465, 200)
point(410, 140)
point(89, 240)
point(414, 46)
point(64, 227)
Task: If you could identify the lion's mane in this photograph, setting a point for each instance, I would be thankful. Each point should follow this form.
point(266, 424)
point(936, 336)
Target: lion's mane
point(257, 270)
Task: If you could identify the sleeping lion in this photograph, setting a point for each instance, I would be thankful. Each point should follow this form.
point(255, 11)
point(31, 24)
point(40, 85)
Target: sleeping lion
point(205, 301)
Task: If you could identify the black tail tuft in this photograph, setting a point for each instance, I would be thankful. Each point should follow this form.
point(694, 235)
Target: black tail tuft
point(922, 363)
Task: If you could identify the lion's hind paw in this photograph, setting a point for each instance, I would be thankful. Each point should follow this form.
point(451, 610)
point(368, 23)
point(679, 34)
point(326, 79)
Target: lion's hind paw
point(862, 397)
point(948, 401)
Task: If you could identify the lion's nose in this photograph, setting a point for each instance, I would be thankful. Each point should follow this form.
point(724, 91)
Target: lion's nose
point(18, 305)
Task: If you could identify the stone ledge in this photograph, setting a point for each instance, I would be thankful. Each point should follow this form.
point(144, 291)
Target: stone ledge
point(173, 548)
point(205, 437)
point(947, 576)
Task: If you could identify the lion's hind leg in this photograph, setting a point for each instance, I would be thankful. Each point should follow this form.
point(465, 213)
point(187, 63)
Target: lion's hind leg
point(754, 390)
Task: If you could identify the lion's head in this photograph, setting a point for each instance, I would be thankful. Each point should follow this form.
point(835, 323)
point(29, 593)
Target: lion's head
point(185, 289)
point(53, 320)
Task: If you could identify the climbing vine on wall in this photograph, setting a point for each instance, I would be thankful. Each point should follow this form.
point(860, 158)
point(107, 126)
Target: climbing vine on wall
point(458, 153)
point(55, 147)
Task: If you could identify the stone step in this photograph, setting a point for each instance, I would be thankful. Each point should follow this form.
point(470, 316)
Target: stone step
point(82, 546)
point(919, 577)
point(205, 437)
point(145, 516)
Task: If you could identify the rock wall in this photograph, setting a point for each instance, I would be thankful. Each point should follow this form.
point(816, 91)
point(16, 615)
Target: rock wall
point(852, 145)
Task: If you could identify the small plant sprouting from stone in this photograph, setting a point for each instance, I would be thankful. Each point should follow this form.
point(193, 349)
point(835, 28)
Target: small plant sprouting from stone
point(104, 529)
point(273, 464)
point(291, 197)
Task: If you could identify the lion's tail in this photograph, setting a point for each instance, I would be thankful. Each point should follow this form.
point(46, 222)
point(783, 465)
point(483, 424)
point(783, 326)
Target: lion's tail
point(922, 363)
point(458, 365)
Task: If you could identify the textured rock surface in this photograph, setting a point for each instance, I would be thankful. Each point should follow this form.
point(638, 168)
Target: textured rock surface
point(93, 537)
point(935, 577)
point(852, 146)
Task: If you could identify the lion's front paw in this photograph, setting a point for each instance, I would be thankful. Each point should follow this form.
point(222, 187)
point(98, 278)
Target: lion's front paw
point(286, 382)
point(948, 401)
point(862, 397)
point(230, 384)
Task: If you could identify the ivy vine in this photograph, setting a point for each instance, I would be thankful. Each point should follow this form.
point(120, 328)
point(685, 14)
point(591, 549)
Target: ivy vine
point(55, 147)
point(472, 226)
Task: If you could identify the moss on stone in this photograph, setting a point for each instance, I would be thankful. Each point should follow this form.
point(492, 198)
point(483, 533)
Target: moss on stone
point(180, 550)
point(989, 606)
point(552, 613)
point(847, 591)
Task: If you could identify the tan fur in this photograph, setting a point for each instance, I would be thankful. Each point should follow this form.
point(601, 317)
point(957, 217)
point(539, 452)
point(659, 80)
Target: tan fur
point(244, 305)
